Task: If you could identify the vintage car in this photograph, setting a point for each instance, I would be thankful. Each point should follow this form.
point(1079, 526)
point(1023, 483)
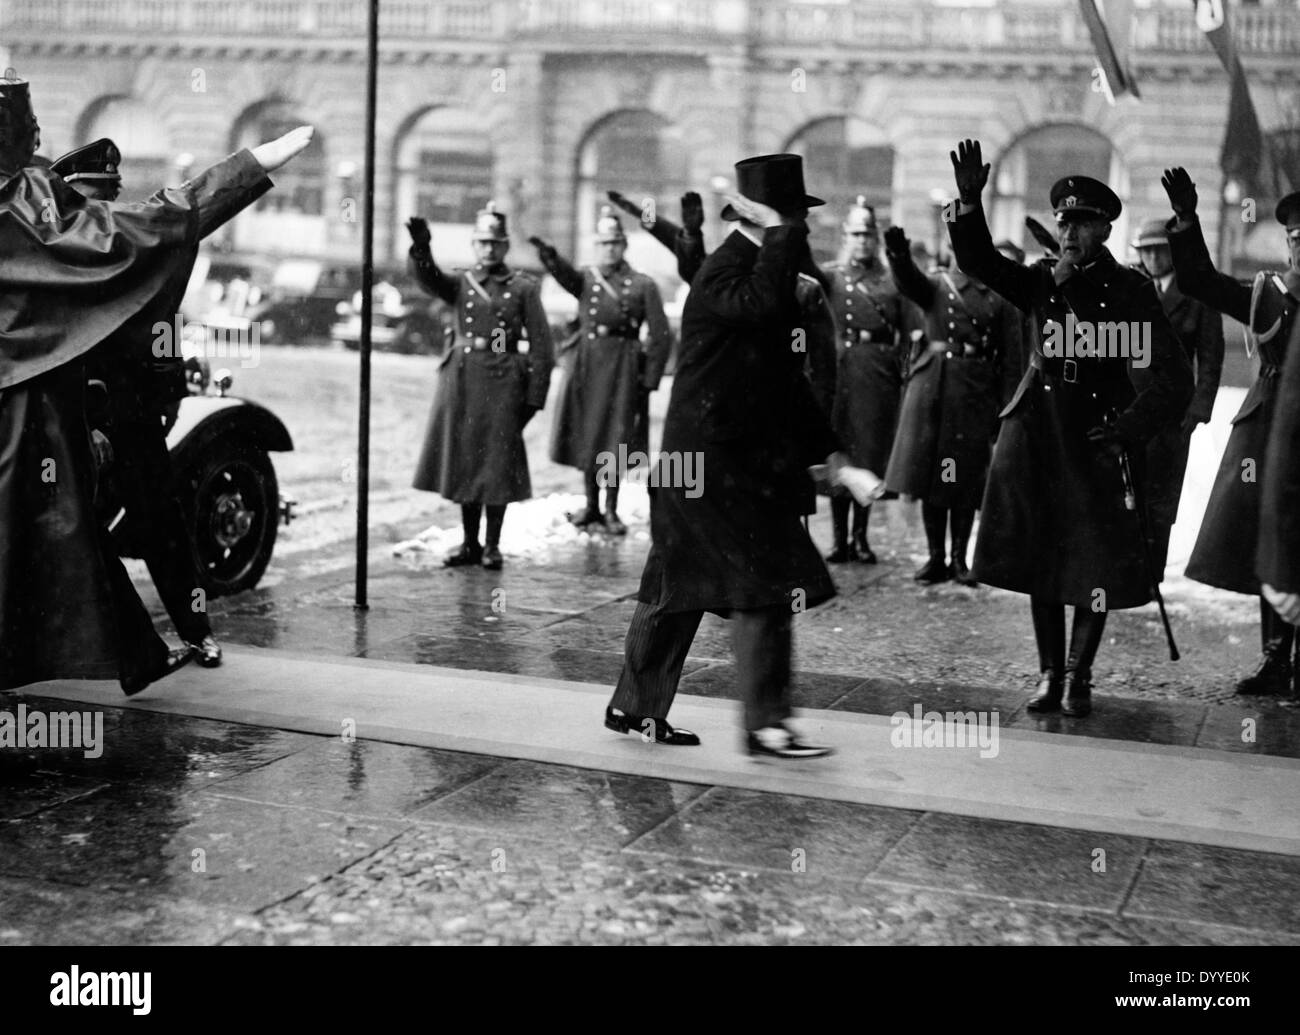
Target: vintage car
point(220, 446)
point(404, 318)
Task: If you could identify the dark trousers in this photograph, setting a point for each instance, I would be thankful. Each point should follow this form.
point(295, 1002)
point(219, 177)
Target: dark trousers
point(658, 642)
point(142, 473)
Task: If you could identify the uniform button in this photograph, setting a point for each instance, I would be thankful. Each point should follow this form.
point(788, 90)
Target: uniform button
point(1047, 388)
point(469, 305)
point(948, 354)
point(595, 287)
point(627, 283)
point(951, 295)
point(592, 310)
point(467, 348)
point(591, 334)
point(951, 325)
point(849, 317)
point(1103, 305)
point(507, 294)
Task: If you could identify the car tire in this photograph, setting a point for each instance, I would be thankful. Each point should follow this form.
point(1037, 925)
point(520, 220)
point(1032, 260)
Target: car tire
point(231, 500)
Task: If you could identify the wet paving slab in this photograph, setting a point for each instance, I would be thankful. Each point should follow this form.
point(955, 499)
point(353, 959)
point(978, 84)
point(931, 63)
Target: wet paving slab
point(1264, 728)
point(810, 689)
point(1122, 718)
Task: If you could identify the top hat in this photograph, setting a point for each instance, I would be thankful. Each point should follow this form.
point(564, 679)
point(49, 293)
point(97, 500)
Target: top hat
point(861, 217)
point(1288, 210)
point(489, 224)
point(772, 180)
point(1084, 194)
point(608, 227)
point(98, 161)
point(1152, 234)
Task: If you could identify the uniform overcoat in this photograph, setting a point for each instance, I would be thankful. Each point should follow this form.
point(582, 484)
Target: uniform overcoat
point(1054, 522)
point(962, 371)
point(474, 446)
point(743, 412)
point(1224, 554)
point(1278, 556)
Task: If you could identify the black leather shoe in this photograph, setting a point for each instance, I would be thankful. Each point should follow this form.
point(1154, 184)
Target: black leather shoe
point(492, 558)
point(664, 732)
point(1051, 686)
point(840, 555)
point(1078, 694)
point(862, 553)
point(209, 651)
point(583, 518)
point(1273, 677)
point(779, 742)
point(469, 553)
point(613, 525)
point(933, 571)
point(176, 658)
point(960, 572)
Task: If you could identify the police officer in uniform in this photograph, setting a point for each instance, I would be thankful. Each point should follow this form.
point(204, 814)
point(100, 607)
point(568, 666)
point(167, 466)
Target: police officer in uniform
point(143, 393)
point(686, 242)
point(488, 390)
point(1200, 330)
point(963, 369)
point(1277, 561)
point(607, 387)
point(874, 322)
point(1056, 523)
point(1224, 555)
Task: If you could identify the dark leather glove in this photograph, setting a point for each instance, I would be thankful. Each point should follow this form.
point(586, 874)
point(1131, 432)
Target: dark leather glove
point(419, 231)
point(622, 201)
point(1108, 439)
point(896, 242)
point(545, 252)
point(1181, 190)
point(692, 212)
point(969, 170)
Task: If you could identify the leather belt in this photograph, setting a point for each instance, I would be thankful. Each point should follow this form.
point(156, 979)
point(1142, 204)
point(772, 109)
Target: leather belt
point(481, 344)
point(852, 338)
point(1069, 369)
point(604, 330)
point(962, 350)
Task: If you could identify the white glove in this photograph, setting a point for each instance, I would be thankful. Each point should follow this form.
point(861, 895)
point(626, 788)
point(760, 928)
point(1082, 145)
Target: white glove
point(1285, 604)
point(863, 485)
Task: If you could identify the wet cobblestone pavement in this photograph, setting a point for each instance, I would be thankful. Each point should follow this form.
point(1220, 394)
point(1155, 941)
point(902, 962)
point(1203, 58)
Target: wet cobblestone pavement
point(194, 831)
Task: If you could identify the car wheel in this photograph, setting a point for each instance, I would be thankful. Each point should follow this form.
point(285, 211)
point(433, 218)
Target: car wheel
point(232, 509)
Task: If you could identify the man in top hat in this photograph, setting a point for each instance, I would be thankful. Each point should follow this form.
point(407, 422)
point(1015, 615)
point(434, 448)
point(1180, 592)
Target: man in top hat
point(1200, 331)
point(1055, 522)
point(963, 368)
point(1224, 554)
point(605, 403)
point(874, 322)
point(742, 410)
point(75, 272)
point(488, 390)
point(143, 391)
point(686, 242)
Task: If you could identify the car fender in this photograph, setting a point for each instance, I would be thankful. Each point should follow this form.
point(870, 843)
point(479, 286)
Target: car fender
point(202, 419)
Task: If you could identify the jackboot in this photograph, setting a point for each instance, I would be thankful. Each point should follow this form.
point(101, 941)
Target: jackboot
point(589, 515)
point(961, 520)
point(612, 524)
point(1275, 673)
point(1049, 635)
point(1084, 641)
point(935, 570)
point(840, 523)
point(859, 549)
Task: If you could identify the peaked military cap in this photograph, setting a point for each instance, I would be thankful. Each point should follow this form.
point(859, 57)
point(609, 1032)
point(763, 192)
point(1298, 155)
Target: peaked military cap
point(1151, 234)
point(489, 224)
point(100, 160)
point(861, 217)
point(1084, 194)
point(1288, 209)
point(608, 227)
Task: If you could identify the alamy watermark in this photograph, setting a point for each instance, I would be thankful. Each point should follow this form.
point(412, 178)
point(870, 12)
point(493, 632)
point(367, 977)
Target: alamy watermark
point(1086, 339)
point(183, 338)
point(659, 470)
point(35, 729)
point(945, 729)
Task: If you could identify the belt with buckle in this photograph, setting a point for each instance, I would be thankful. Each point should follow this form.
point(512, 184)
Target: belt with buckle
point(481, 344)
point(604, 330)
point(1069, 369)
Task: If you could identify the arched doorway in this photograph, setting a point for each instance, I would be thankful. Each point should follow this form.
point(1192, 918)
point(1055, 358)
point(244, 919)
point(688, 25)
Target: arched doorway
point(292, 217)
point(443, 172)
point(148, 163)
point(1023, 176)
point(843, 157)
point(640, 154)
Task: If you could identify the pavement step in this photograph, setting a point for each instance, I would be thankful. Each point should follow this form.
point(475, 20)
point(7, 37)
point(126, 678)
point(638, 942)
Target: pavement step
point(907, 761)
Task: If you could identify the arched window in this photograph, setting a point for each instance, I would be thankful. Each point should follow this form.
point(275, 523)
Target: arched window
point(147, 159)
point(640, 154)
point(1023, 176)
point(443, 173)
point(299, 185)
point(842, 158)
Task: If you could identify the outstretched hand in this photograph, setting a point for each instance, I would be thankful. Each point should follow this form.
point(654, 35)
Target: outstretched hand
point(692, 212)
point(896, 242)
point(544, 250)
point(624, 202)
point(276, 153)
point(419, 230)
point(969, 170)
point(1181, 190)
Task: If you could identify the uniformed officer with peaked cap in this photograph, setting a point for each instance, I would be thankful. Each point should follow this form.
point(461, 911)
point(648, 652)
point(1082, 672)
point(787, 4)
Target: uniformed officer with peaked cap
point(94, 168)
point(488, 390)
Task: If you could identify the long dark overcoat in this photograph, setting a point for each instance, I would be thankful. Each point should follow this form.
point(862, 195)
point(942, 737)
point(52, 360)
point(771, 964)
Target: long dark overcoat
point(474, 445)
point(1278, 556)
point(963, 370)
point(72, 272)
point(609, 372)
point(1224, 554)
point(1054, 523)
point(743, 410)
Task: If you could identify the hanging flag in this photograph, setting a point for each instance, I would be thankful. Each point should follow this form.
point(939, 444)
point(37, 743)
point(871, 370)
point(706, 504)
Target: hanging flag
point(1243, 142)
point(1111, 31)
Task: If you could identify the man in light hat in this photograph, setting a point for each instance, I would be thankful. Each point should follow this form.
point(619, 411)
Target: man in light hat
point(1055, 523)
point(874, 323)
point(607, 386)
point(1225, 550)
point(744, 417)
point(75, 272)
point(143, 391)
point(1200, 331)
point(488, 390)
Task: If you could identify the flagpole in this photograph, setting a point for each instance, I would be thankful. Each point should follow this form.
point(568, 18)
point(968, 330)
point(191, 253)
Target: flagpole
point(367, 305)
